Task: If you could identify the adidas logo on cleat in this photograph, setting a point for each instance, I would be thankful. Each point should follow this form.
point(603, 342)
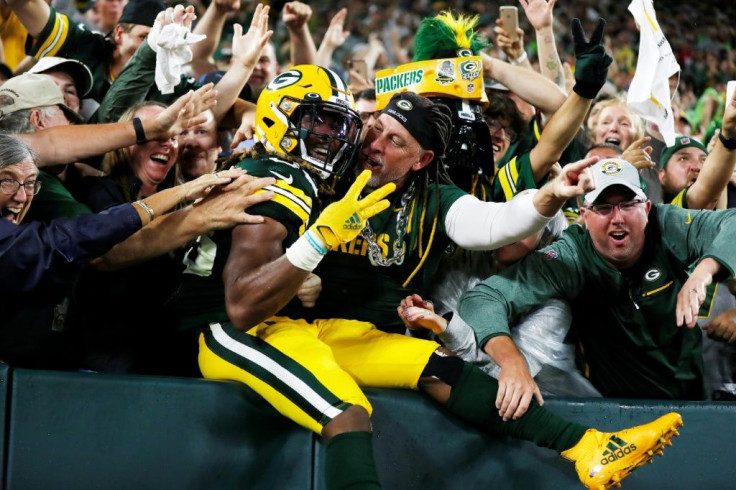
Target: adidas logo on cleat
point(611, 456)
point(616, 449)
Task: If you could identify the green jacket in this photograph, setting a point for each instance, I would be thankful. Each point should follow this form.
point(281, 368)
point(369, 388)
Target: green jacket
point(136, 83)
point(624, 319)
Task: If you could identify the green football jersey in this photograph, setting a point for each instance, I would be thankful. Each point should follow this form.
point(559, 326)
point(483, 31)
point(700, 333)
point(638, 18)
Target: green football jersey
point(62, 37)
point(201, 297)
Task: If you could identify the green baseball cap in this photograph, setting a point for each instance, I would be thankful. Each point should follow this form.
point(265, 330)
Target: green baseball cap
point(680, 143)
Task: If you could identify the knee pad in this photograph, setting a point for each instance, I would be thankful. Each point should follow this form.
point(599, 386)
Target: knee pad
point(445, 368)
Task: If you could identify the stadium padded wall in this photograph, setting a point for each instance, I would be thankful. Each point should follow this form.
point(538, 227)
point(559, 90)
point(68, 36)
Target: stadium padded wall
point(92, 431)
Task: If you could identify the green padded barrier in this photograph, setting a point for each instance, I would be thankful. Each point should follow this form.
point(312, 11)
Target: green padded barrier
point(90, 431)
point(4, 394)
point(419, 446)
point(80, 431)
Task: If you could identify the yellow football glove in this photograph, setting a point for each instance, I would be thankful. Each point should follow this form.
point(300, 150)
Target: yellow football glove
point(342, 221)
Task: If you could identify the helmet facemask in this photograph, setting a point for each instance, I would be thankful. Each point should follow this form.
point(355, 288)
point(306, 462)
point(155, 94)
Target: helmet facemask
point(323, 134)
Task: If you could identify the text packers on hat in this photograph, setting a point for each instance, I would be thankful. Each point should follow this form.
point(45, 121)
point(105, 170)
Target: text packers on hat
point(680, 143)
point(32, 90)
point(614, 171)
point(76, 69)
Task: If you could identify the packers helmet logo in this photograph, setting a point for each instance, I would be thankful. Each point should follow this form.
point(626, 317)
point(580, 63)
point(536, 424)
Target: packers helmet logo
point(611, 168)
point(463, 53)
point(404, 105)
point(652, 275)
point(284, 80)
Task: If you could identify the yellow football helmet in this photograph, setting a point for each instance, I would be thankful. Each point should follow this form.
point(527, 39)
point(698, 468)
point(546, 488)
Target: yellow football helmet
point(309, 112)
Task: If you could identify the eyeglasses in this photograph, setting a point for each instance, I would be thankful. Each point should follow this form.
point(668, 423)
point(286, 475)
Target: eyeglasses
point(365, 116)
point(494, 126)
point(11, 186)
point(625, 207)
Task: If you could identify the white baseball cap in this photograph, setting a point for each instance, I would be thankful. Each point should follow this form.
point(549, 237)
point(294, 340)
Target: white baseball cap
point(76, 69)
point(614, 171)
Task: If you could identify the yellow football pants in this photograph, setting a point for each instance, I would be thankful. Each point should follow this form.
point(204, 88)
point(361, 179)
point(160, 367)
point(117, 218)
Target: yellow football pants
point(311, 372)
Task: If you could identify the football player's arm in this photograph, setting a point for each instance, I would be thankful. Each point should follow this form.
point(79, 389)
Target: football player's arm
point(33, 14)
point(259, 279)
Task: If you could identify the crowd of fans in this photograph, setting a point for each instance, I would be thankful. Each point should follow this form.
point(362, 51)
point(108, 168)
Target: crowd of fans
point(101, 66)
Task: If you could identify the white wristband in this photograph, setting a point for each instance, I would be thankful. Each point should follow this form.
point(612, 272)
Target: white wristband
point(519, 60)
point(307, 252)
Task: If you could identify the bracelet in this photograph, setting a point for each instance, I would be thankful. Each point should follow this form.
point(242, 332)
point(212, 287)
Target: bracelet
point(728, 143)
point(148, 209)
point(520, 59)
point(140, 135)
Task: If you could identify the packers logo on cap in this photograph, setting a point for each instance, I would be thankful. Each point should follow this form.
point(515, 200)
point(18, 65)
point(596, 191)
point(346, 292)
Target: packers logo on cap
point(404, 105)
point(464, 53)
point(610, 168)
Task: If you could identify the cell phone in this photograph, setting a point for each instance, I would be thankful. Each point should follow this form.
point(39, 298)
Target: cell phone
point(510, 19)
point(360, 67)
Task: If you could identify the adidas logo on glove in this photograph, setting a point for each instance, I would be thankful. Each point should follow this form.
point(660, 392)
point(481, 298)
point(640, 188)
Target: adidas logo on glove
point(353, 223)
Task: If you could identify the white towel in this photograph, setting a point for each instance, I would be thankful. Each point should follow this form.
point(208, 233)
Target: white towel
point(649, 93)
point(171, 43)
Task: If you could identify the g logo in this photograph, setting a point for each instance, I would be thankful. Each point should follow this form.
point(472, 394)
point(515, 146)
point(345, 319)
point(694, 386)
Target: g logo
point(469, 66)
point(652, 275)
point(284, 80)
point(462, 53)
point(404, 105)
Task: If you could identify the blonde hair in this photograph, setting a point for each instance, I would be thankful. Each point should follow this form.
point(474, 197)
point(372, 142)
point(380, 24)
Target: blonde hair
point(619, 101)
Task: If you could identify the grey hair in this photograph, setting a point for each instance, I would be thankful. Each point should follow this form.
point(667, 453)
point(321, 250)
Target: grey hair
point(13, 151)
point(19, 122)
